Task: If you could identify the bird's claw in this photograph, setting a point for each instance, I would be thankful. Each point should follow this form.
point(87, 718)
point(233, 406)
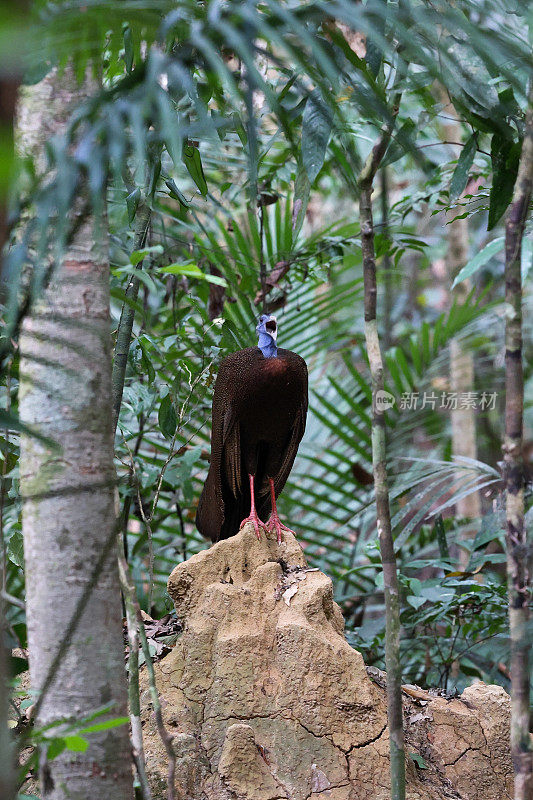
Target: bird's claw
point(256, 522)
point(274, 524)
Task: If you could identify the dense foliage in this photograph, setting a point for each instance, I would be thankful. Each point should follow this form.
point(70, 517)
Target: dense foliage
point(228, 138)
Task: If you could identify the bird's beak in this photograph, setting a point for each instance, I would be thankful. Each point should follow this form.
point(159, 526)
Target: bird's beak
point(271, 327)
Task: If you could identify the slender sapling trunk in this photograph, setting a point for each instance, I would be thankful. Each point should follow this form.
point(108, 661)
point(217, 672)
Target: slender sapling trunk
point(518, 547)
point(379, 462)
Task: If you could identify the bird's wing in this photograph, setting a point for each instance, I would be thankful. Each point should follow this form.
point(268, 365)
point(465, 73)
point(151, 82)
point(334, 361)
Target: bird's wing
point(226, 427)
point(291, 448)
point(231, 448)
point(224, 470)
point(298, 429)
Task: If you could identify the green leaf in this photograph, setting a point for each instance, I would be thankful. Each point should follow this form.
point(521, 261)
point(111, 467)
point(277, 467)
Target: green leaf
point(55, 748)
point(467, 78)
point(106, 725)
point(132, 202)
point(128, 49)
point(316, 130)
point(491, 530)
point(302, 189)
point(76, 743)
point(181, 473)
point(147, 363)
point(15, 548)
point(374, 54)
point(415, 601)
point(401, 143)
point(119, 294)
point(138, 273)
point(138, 255)
point(193, 271)
point(106, 709)
point(441, 537)
point(464, 162)
point(155, 172)
point(417, 759)
point(175, 193)
point(167, 418)
point(152, 649)
point(192, 160)
point(471, 670)
point(479, 260)
point(11, 421)
point(205, 91)
point(17, 665)
point(505, 154)
point(240, 129)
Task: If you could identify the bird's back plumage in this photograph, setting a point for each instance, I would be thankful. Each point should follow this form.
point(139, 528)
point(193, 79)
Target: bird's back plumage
point(258, 420)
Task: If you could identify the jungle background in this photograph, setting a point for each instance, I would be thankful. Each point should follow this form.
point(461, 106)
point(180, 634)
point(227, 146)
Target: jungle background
point(226, 140)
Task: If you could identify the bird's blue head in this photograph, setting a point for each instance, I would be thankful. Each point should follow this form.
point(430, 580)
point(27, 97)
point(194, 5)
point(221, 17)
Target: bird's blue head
point(268, 334)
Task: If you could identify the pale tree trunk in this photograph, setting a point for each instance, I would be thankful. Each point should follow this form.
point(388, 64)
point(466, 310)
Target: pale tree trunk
point(518, 547)
point(463, 419)
point(68, 492)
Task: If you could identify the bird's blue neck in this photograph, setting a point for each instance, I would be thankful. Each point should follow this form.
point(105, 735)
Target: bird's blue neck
point(267, 345)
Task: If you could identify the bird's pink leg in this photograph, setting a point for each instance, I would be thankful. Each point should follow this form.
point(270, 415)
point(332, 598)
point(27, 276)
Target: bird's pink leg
point(253, 518)
point(274, 523)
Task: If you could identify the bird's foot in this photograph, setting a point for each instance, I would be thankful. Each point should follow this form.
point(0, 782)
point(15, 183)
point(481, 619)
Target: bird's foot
point(274, 524)
point(256, 522)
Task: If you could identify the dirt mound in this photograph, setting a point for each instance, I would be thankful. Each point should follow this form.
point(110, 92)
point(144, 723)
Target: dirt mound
point(265, 698)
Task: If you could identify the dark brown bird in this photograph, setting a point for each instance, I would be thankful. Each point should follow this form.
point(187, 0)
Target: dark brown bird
point(259, 413)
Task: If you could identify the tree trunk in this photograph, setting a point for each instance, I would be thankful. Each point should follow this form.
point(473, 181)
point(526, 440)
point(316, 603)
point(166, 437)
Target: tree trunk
point(379, 463)
point(68, 492)
point(386, 262)
point(386, 543)
point(518, 553)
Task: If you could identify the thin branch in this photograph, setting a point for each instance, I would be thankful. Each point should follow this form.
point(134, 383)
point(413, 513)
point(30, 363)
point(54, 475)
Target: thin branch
point(127, 316)
point(3, 483)
point(136, 631)
point(375, 157)
point(262, 265)
point(474, 644)
point(173, 452)
point(458, 144)
point(386, 263)
point(14, 601)
point(166, 738)
point(130, 601)
point(386, 542)
point(148, 526)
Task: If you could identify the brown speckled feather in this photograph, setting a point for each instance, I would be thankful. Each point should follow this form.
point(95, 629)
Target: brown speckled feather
point(259, 414)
